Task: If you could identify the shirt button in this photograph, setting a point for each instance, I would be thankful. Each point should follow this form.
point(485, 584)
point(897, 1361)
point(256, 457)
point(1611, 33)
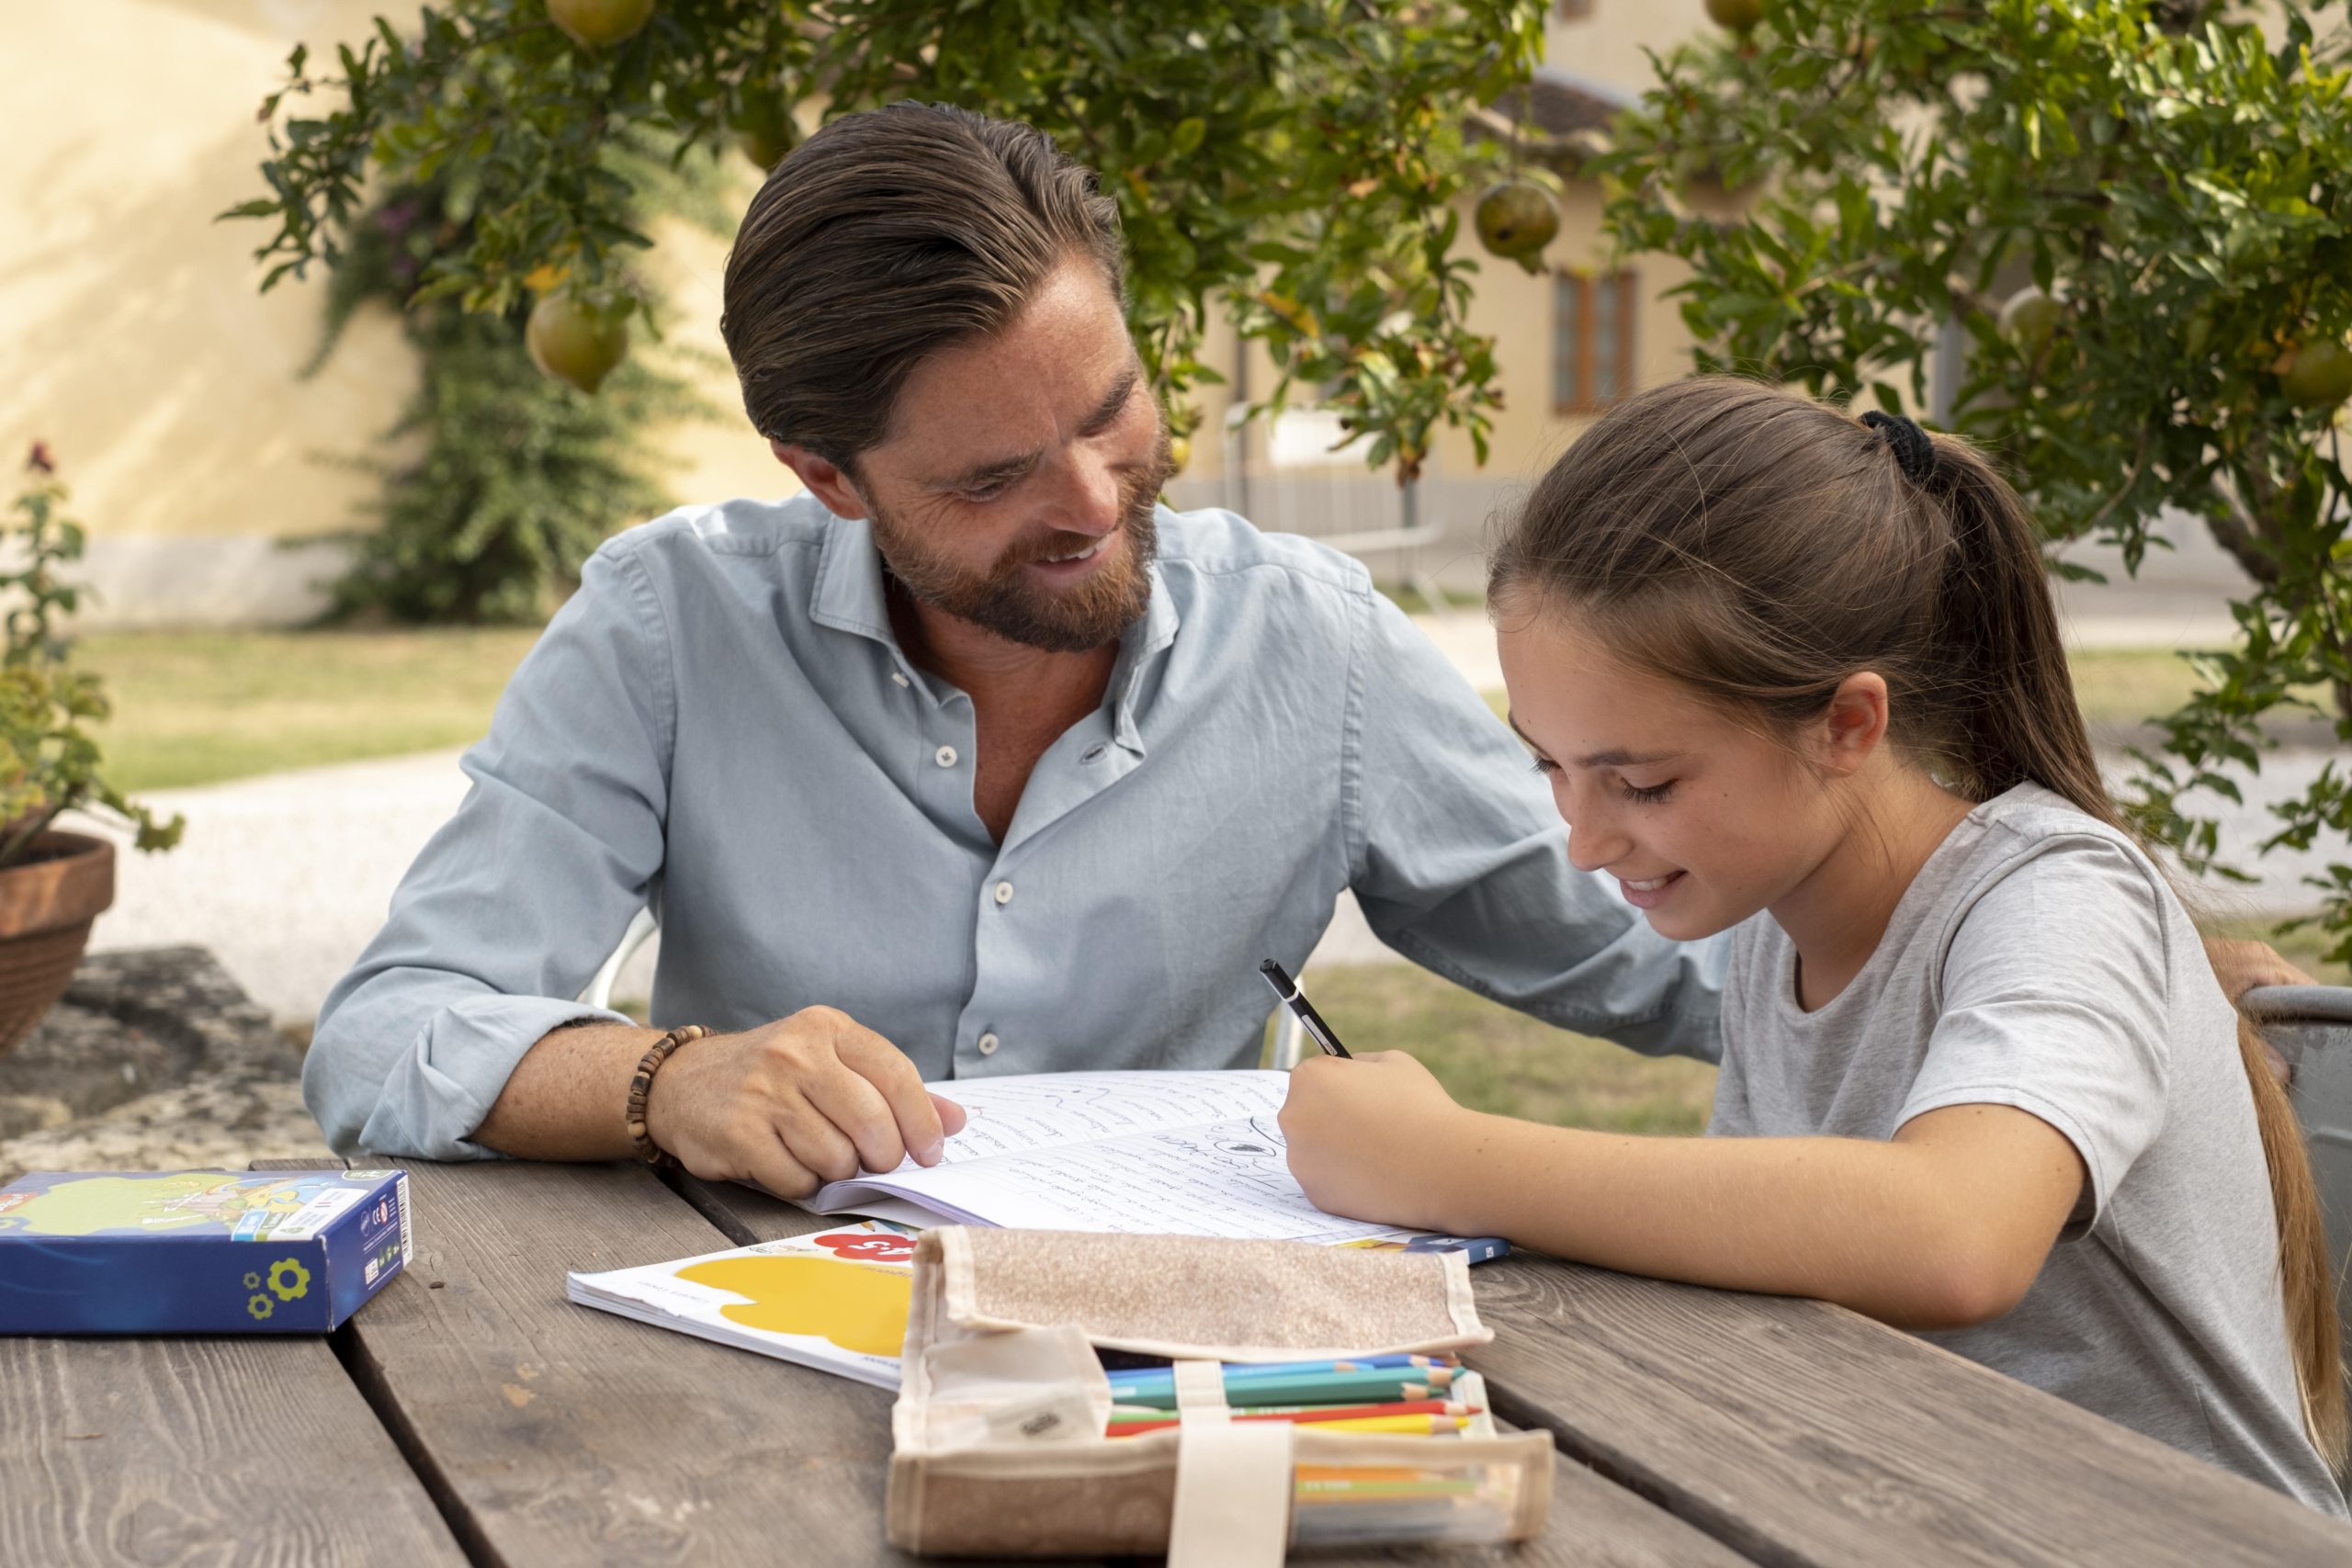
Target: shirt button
point(989, 1043)
point(945, 756)
point(1004, 892)
point(897, 677)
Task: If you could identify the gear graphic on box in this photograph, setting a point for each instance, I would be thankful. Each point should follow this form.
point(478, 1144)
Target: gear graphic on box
point(253, 1280)
point(288, 1279)
point(260, 1305)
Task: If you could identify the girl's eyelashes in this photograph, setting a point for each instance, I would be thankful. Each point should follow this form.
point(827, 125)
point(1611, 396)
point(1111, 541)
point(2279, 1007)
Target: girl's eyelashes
point(1652, 794)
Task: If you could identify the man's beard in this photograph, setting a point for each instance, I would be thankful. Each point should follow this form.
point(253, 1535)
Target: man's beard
point(1004, 600)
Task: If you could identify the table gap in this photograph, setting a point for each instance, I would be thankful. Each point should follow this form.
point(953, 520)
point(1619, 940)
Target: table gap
point(368, 1378)
point(704, 1198)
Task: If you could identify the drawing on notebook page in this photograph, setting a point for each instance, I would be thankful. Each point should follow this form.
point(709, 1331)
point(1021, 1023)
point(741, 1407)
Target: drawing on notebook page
point(1258, 1157)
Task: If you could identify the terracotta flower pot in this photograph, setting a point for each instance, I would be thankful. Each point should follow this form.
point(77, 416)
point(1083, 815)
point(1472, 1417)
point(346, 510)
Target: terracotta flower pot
point(46, 906)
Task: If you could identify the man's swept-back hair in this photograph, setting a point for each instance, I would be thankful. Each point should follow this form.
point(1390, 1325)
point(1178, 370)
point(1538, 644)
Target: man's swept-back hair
point(885, 237)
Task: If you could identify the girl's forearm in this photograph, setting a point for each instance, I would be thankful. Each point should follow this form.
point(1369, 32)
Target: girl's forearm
point(1888, 1229)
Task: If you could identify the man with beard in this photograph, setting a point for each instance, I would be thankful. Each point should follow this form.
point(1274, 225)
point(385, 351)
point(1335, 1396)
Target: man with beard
point(969, 760)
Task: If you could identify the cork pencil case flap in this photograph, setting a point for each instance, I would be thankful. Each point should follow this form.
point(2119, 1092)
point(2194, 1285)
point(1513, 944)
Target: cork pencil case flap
point(1202, 1297)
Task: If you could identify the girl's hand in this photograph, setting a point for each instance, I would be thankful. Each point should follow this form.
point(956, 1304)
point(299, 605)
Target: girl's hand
point(1374, 1138)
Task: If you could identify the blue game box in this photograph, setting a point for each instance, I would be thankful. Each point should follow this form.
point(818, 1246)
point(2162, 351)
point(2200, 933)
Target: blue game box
point(197, 1251)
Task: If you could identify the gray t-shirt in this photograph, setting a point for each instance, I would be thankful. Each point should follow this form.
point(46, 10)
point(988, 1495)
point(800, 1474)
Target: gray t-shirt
point(2039, 961)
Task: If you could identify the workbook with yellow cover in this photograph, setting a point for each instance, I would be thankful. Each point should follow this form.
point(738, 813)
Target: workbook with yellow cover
point(835, 1301)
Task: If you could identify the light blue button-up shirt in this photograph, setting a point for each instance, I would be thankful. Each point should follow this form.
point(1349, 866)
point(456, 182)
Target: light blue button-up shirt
point(721, 724)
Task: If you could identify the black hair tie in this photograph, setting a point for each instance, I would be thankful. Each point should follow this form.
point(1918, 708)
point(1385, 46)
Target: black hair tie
point(1915, 451)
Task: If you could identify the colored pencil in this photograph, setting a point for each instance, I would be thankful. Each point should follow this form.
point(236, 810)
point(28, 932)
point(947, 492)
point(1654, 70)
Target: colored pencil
point(1379, 1386)
point(1130, 1425)
point(1423, 1426)
point(1160, 1377)
point(1368, 1474)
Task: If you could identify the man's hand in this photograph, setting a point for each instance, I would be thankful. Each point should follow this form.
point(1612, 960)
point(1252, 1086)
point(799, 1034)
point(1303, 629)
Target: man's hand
point(2242, 965)
point(796, 1103)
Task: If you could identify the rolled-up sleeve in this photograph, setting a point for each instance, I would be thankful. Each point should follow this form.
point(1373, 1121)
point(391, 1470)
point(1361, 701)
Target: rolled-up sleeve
point(1461, 863)
point(517, 901)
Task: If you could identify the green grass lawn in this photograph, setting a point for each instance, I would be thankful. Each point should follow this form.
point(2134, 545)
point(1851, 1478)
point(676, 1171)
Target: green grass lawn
point(198, 707)
point(1491, 1058)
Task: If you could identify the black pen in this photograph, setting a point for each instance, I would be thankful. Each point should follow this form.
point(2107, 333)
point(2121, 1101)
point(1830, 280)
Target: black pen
point(1296, 1000)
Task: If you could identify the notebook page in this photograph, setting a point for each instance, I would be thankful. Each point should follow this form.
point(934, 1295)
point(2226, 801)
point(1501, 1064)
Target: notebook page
point(1227, 1178)
point(1035, 1111)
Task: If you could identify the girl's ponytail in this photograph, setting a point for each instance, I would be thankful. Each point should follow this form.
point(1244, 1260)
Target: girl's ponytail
point(2014, 716)
point(2019, 720)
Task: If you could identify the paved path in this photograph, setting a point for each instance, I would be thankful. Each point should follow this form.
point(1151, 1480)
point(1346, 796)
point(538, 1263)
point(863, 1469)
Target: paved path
point(286, 876)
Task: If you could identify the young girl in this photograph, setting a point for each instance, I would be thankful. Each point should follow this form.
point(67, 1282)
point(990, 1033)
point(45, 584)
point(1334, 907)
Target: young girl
point(1801, 675)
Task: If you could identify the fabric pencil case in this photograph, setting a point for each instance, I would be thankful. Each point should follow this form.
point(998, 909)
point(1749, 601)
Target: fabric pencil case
point(998, 1444)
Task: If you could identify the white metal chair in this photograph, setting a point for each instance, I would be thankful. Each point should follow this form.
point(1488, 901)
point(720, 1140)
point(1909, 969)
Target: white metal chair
point(599, 992)
point(1290, 1040)
point(2312, 1027)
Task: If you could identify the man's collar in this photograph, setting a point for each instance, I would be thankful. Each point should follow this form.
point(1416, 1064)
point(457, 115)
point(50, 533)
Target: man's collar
point(1138, 649)
point(849, 594)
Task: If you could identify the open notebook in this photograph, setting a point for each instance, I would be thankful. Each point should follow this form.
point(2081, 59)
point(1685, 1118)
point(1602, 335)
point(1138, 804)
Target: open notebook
point(1181, 1153)
point(1196, 1154)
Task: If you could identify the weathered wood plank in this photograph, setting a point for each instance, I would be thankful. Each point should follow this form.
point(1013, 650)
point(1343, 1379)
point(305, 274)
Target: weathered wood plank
point(745, 1214)
point(1798, 1433)
point(1594, 1521)
point(558, 1434)
point(200, 1450)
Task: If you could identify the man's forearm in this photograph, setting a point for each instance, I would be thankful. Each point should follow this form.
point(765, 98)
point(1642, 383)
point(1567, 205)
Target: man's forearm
point(568, 1097)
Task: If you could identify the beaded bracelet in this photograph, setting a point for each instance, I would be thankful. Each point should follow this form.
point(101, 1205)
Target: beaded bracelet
point(641, 1084)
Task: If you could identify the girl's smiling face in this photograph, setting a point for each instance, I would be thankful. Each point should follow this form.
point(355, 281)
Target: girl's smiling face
point(1702, 820)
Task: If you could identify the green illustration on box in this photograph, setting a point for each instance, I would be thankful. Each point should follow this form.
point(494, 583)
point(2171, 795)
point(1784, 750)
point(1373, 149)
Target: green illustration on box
point(246, 1207)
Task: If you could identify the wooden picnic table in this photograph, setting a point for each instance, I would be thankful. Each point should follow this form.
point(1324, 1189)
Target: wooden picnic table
point(471, 1414)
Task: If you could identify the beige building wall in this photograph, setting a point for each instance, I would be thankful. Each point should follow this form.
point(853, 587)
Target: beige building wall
point(1606, 40)
point(137, 346)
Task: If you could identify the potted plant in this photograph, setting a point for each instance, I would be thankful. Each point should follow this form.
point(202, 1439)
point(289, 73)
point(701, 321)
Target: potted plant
point(52, 884)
